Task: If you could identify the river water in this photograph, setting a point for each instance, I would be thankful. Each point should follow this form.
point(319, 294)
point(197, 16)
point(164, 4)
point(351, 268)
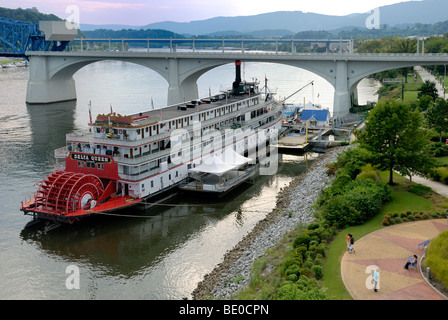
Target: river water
point(161, 253)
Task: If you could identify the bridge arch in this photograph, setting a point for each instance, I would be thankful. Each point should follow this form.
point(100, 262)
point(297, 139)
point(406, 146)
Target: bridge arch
point(51, 73)
point(48, 77)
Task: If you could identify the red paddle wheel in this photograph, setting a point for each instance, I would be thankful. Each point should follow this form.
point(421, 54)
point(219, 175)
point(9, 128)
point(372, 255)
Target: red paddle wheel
point(64, 192)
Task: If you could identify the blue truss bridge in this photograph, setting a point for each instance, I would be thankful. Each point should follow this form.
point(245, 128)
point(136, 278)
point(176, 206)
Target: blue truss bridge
point(17, 37)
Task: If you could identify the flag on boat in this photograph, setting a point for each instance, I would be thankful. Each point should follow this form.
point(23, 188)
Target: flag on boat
point(90, 112)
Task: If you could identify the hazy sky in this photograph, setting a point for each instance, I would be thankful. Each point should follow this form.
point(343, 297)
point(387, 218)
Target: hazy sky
point(142, 12)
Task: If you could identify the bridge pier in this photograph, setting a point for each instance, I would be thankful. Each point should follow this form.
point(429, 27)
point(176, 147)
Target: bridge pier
point(342, 103)
point(180, 90)
point(43, 88)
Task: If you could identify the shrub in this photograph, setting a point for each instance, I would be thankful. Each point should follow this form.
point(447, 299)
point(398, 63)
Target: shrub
point(438, 149)
point(440, 174)
point(308, 263)
point(321, 249)
point(302, 240)
point(300, 252)
point(318, 261)
point(305, 272)
point(317, 271)
point(340, 212)
point(367, 197)
point(289, 262)
point(437, 257)
point(368, 173)
point(316, 235)
point(304, 289)
point(420, 189)
point(294, 269)
point(358, 201)
point(313, 226)
point(435, 215)
point(292, 277)
point(288, 291)
point(396, 220)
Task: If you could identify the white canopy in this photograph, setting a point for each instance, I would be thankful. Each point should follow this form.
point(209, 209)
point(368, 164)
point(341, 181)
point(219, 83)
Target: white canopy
point(214, 165)
point(219, 165)
point(230, 156)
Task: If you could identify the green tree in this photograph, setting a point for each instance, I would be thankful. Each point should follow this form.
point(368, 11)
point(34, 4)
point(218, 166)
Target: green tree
point(396, 139)
point(428, 88)
point(424, 102)
point(437, 116)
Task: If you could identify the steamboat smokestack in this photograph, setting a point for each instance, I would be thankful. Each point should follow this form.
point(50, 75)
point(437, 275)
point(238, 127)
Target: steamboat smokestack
point(237, 84)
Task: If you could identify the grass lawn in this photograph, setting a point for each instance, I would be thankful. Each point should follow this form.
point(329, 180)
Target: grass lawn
point(402, 200)
point(8, 61)
point(411, 90)
point(442, 160)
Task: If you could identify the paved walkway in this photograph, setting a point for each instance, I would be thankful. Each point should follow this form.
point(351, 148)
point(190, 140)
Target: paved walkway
point(425, 75)
point(388, 249)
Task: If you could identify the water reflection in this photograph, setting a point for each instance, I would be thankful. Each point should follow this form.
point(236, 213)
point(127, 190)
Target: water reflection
point(49, 123)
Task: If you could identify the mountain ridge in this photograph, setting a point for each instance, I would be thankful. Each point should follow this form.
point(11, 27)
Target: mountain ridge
point(411, 12)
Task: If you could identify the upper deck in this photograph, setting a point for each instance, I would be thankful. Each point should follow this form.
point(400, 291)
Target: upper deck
point(143, 127)
point(173, 112)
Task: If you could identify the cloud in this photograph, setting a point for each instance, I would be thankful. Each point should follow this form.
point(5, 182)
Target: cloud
point(92, 6)
point(142, 12)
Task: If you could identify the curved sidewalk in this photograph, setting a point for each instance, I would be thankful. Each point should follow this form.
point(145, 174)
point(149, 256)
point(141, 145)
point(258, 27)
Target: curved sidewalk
point(389, 248)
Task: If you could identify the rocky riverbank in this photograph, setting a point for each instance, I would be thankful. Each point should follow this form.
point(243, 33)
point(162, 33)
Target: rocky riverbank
point(294, 206)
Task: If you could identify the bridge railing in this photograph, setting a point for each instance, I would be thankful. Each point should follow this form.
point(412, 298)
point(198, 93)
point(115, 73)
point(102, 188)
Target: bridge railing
point(437, 58)
point(211, 46)
point(221, 45)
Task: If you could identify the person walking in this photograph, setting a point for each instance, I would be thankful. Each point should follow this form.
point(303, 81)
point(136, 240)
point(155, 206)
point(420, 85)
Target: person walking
point(352, 242)
point(375, 279)
point(347, 238)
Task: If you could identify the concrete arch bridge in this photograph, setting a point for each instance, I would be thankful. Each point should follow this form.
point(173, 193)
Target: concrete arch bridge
point(51, 73)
